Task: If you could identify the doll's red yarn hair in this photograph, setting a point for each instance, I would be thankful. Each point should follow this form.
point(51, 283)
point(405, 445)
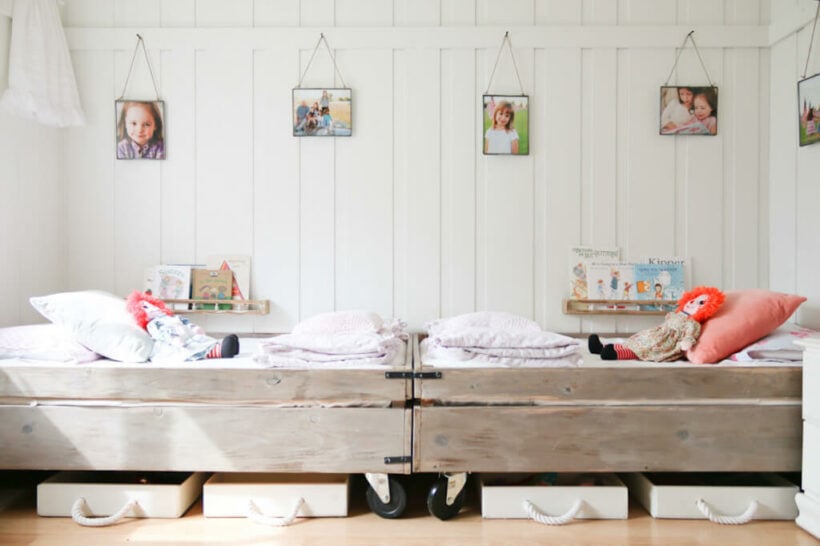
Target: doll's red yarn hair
point(133, 305)
point(716, 298)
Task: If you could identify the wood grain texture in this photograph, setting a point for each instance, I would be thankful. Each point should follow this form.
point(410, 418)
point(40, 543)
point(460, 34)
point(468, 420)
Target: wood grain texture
point(209, 438)
point(743, 437)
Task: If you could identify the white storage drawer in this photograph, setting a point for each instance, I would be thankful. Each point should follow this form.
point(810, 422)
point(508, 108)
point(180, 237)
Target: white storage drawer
point(809, 518)
point(275, 495)
point(593, 496)
point(730, 495)
point(157, 494)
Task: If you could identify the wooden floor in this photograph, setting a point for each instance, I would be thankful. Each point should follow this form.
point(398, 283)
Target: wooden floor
point(20, 525)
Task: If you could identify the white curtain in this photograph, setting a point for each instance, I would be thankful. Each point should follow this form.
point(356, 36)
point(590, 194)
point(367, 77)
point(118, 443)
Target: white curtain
point(41, 79)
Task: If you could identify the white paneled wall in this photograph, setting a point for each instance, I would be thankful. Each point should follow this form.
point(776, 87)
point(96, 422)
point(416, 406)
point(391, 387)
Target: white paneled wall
point(794, 184)
point(407, 217)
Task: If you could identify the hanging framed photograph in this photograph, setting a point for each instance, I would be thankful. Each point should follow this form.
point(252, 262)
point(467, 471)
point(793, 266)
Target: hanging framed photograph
point(322, 112)
point(506, 124)
point(689, 110)
point(140, 129)
point(808, 102)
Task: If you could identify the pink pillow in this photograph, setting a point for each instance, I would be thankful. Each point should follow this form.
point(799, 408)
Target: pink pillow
point(745, 317)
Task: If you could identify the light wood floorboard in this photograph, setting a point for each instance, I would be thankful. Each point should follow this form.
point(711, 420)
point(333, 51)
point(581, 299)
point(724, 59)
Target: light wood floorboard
point(20, 525)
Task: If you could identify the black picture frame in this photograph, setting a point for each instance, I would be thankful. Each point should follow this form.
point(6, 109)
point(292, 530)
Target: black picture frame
point(515, 138)
point(313, 105)
point(697, 116)
point(808, 110)
point(131, 142)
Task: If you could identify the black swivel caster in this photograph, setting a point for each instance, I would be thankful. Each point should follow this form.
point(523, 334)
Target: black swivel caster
point(437, 500)
point(392, 509)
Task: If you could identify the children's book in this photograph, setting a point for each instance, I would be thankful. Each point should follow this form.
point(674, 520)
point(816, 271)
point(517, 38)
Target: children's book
point(169, 282)
point(240, 265)
point(659, 281)
point(579, 259)
point(211, 284)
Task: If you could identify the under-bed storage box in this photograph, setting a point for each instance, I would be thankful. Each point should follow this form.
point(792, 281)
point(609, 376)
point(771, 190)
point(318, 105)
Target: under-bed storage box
point(155, 495)
point(629, 416)
point(275, 495)
point(211, 415)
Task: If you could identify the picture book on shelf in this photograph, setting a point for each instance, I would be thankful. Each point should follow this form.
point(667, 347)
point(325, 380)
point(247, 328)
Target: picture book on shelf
point(579, 259)
point(169, 282)
point(659, 281)
point(211, 284)
point(240, 266)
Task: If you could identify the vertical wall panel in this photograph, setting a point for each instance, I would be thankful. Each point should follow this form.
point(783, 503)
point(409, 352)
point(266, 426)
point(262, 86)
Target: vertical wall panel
point(178, 186)
point(419, 13)
point(317, 157)
point(89, 165)
point(137, 194)
point(557, 12)
point(363, 13)
point(143, 14)
point(647, 12)
point(88, 13)
point(458, 12)
point(505, 12)
point(505, 204)
point(364, 195)
point(555, 113)
point(417, 179)
point(317, 13)
point(224, 159)
point(741, 137)
point(783, 167)
point(273, 13)
point(217, 13)
point(276, 252)
point(459, 148)
point(701, 12)
point(178, 13)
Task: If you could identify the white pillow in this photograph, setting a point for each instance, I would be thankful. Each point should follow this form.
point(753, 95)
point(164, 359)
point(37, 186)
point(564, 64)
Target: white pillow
point(42, 342)
point(340, 322)
point(99, 321)
point(492, 320)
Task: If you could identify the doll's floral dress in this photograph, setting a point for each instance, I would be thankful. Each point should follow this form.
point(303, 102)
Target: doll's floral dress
point(662, 343)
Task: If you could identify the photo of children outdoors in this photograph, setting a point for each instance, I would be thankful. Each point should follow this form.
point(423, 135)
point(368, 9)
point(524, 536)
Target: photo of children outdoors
point(689, 110)
point(506, 125)
point(322, 112)
point(808, 100)
point(140, 129)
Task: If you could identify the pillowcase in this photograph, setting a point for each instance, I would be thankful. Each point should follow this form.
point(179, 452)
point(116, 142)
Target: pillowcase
point(340, 322)
point(492, 320)
point(745, 317)
point(779, 346)
point(42, 342)
point(99, 321)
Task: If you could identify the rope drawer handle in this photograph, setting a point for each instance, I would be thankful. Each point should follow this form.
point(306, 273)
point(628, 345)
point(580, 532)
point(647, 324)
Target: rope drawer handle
point(745, 517)
point(537, 515)
point(79, 513)
point(254, 514)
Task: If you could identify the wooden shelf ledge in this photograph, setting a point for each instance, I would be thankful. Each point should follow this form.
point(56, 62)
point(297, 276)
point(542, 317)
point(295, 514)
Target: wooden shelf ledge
point(212, 307)
point(618, 307)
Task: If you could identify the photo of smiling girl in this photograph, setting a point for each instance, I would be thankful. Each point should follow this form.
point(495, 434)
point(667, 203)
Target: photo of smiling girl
point(506, 123)
point(140, 133)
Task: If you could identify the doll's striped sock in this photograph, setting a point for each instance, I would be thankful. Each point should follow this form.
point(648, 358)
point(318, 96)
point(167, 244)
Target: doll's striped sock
point(216, 352)
point(617, 352)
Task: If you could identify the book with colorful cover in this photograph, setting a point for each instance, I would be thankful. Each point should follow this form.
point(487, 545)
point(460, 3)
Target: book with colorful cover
point(169, 282)
point(659, 281)
point(240, 266)
point(579, 259)
point(611, 280)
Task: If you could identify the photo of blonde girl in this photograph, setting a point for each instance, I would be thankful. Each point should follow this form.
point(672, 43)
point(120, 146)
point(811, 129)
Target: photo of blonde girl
point(140, 130)
point(506, 125)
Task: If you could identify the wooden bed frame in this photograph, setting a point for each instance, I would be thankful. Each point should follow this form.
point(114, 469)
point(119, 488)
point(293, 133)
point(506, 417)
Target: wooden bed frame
point(196, 418)
point(623, 418)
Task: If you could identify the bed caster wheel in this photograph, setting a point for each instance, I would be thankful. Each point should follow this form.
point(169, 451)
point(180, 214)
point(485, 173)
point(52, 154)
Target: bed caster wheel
point(439, 495)
point(394, 507)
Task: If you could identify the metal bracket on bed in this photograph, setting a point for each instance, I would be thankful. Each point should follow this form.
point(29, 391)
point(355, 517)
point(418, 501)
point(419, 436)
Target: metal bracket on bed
point(412, 375)
point(380, 484)
point(398, 459)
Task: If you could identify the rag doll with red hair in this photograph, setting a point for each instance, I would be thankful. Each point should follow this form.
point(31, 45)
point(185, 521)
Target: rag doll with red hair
point(176, 338)
point(669, 341)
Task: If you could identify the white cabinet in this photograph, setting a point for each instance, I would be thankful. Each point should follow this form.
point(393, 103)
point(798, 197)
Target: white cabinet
point(808, 502)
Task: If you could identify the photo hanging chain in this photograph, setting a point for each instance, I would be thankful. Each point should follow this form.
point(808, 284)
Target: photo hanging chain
point(811, 41)
point(507, 41)
point(682, 47)
point(147, 61)
point(332, 58)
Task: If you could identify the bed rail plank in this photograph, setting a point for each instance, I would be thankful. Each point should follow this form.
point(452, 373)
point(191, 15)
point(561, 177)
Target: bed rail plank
point(204, 438)
point(722, 438)
point(524, 386)
point(197, 384)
